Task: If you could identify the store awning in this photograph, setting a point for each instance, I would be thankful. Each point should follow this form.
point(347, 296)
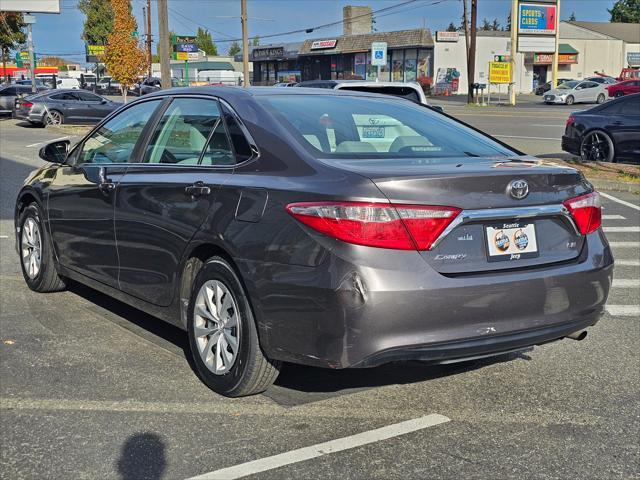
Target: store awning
point(566, 49)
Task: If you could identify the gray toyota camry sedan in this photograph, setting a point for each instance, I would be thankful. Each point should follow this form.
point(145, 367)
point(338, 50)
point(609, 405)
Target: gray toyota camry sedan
point(339, 230)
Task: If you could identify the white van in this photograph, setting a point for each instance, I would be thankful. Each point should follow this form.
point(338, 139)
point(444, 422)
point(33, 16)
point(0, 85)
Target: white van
point(67, 82)
point(220, 77)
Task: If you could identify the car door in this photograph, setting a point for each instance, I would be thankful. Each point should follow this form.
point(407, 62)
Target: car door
point(69, 104)
point(81, 196)
point(164, 199)
point(624, 126)
point(94, 106)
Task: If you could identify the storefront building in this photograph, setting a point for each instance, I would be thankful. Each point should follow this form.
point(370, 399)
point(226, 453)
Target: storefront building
point(275, 63)
point(540, 63)
point(348, 57)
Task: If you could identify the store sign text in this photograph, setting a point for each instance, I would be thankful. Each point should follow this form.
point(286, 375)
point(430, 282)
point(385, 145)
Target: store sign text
point(320, 44)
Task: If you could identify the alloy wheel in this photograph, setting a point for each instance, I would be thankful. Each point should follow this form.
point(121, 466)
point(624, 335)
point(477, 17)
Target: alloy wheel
point(596, 146)
point(217, 326)
point(54, 118)
point(31, 246)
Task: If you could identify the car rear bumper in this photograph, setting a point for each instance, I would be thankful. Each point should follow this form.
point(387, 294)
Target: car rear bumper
point(29, 116)
point(342, 314)
point(571, 144)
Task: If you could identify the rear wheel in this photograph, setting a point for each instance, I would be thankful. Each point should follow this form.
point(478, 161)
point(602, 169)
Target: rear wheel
point(54, 117)
point(618, 94)
point(570, 100)
point(597, 146)
point(223, 336)
point(36, 255)
point(600, 98)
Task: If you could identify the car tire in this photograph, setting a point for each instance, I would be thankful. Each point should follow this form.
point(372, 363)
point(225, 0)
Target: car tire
point(618, 94)
point(223, 337)
point(36, 253)
point(597, 146)
point(54, 117)
point(570, 100)
point(600, 99)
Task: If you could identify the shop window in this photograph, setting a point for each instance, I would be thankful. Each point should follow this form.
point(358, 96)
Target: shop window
point(360, 65)
point(410, 65)
point(397, 64)
point(425, 68)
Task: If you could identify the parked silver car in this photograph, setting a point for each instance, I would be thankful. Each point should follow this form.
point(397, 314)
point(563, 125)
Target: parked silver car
point(577, 91)
point(9, 94)
point(55, 107)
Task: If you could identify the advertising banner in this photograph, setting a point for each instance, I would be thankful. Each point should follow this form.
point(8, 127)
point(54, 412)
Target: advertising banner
point(499, 72)
point(537, 19)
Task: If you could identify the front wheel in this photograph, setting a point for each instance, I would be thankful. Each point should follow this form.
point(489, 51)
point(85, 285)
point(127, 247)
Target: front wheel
point(570, 100)
point(600, 98)
point(222, 334)
point(597, 146)
point(618, 94)
point(36, 255)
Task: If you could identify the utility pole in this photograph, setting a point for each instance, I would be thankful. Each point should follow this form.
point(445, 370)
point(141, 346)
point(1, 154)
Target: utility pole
point(556, 54)
point(467, 38)
point(30, 20)
point(149, 54)
point(163, 45)
point(245, 43)
point(512, 54)
point(472, 48)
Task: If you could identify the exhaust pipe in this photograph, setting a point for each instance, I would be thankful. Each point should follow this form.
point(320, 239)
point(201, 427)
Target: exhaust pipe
point(579, 335)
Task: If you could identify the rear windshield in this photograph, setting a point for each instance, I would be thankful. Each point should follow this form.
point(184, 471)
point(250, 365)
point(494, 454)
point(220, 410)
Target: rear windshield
point(338, 126)
point(403, 92)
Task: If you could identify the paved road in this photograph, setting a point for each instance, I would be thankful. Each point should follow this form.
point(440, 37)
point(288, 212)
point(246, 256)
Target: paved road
point(90, 388)
point(532, 127)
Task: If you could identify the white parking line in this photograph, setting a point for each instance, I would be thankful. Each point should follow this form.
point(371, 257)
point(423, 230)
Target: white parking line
point(621, 229)
point(624, 244)
point(624, 310)
point(622, 202)
point(4, 236)
point(320, 449)
point(628, 263)
point(613, 217)
point(48, 141)
point(625, 283)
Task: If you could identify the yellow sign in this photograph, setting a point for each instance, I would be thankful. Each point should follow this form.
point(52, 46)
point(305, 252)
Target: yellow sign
point(24, 56)
point(499, 72)
point(182, 55)
point(97, 50)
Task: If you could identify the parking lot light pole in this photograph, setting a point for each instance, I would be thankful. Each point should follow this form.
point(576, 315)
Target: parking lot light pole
point(556, 54)
point(30, 20)
point(245, 43)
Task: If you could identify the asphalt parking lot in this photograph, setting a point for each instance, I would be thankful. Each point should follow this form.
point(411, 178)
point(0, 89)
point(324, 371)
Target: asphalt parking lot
point(91, 388)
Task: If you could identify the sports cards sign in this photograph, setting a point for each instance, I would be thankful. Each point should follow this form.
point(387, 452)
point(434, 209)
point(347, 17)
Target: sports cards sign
point(537, 19)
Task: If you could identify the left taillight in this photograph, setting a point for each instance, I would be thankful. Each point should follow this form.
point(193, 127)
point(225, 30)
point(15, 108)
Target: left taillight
point(26, 104)
point(383, 225)
point(586, 212)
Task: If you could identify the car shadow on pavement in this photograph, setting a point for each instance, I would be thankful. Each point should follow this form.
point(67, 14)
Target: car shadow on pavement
point(296, 384)
point(142, 457)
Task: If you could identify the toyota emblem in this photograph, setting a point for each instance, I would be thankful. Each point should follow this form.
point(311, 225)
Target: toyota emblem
point(518, 189)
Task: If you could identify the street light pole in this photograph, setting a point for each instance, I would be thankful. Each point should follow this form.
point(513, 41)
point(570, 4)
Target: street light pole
point(245, 44)
point(149, 54)
point(514, 50)
point(556, 54)
point(30, 20)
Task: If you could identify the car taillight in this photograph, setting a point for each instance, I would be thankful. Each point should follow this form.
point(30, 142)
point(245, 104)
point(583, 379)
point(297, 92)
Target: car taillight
point(570, 121)
point(26, 104)
point(383, 225)
point(586, 212)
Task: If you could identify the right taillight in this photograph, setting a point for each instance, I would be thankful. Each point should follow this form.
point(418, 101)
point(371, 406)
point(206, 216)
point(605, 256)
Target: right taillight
point(383, 225)
point(570, 121)
point(26, 104)
point(586, 212)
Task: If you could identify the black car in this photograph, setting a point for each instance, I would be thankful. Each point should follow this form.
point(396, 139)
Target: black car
point(332, 229)
point(607, 133)
point(545, 87)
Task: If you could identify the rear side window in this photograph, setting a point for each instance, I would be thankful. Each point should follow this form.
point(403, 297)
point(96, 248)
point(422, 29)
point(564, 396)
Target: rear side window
point(89, 97)
point(9, 91)
point(185, 130)
point(65, 96)
point(238, 139)
point(354, 127)
point(630, 106)
point(115, 141)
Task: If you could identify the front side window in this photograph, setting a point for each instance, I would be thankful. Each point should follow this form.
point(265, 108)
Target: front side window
point(89, 97)
point(65, 96)
point(352, 127)
point(185, 129)
point(114, 141)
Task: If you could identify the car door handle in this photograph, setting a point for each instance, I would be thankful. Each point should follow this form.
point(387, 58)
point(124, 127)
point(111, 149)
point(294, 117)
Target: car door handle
point(617, 122)
point(198, 189)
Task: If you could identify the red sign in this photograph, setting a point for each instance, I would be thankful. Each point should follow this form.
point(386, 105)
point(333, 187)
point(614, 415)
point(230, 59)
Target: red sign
point(320, 44)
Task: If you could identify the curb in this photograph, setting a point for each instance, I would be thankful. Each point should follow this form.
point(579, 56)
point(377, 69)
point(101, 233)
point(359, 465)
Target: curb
point(615, 186)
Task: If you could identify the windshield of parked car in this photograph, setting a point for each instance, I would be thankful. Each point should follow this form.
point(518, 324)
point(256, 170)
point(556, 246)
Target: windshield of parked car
point(568, 85)
point(340, 126)
point(398, 91)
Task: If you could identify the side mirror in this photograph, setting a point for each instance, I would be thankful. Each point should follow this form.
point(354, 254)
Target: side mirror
point(55, 152)
point(103, 101)
point(437, 108)
point(578, 88)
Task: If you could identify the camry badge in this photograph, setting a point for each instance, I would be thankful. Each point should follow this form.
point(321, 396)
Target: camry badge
point(518, 189)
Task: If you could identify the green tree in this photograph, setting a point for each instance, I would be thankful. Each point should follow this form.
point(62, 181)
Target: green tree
point(205, 43)
point(451, 27)
point(486, 25)
point(11, 34)
point(572, 17)
point(256, 41)
point(98, 23)
point(625, 11)
point(495, 26)
point(234, 49)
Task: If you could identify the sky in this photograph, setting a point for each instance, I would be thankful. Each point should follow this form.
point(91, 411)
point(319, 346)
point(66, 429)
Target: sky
point(60, 34)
